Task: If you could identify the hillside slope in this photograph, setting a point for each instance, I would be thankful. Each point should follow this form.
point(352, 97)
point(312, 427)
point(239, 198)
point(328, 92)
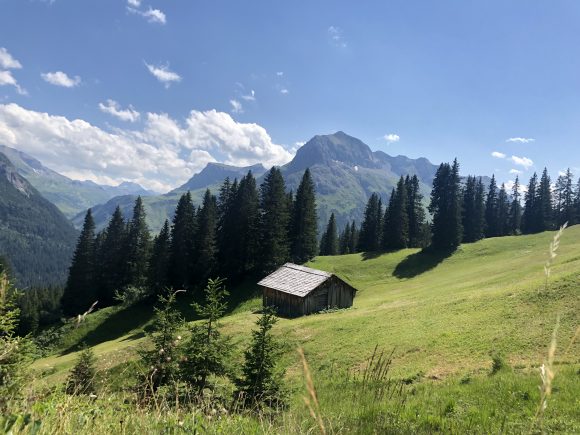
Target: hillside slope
point(444, 316)
point(35, 236)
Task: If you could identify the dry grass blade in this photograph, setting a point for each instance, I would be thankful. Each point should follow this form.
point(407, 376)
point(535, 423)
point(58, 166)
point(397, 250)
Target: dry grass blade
point(81, 317)
point(552, 253)
point(311, 400)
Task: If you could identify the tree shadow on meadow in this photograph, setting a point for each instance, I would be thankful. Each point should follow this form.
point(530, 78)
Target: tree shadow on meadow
point(421, 262)
point(136, 319)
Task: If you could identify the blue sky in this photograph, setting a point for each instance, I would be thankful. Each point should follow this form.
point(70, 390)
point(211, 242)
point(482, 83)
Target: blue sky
point(151, 90)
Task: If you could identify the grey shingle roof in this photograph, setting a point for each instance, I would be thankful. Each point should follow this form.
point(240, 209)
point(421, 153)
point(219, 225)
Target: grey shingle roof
point(295, 280)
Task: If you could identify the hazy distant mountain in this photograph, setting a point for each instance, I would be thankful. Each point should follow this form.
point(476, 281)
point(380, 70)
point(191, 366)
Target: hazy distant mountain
point(70, 196)
point(216, 173)
point(345, 171)
point(35, 237)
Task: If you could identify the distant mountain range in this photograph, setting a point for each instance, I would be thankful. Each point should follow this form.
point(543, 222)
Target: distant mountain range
point(35, 237)
point(345, 172)
point(70, 196)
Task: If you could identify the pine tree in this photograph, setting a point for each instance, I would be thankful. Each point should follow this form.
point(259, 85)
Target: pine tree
point(416, 212)
point(491, 210)
point(577, 202)
point(111, 251)
point(260, 382)
point(206, 352)
point(81, 379)
point(183, 230)
point(81, 287)
point(398, 218)
point(445, 206)
point(159, 263)
point(502, 212)
point(160, 364)
point(565, 199)
point(274, 221)
point(205, 241)
point(245, 237)
point(529, 224)
point(370, 232)
point(354, 238)
point(329, 241)
point(515, 212)
point(303, 234)
point(544, 208)
point(470, 233)
point(343, 240)
point(138, 247)
point(227, 263)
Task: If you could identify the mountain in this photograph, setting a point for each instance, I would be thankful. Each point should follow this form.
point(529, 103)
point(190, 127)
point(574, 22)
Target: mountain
point(215, 173)
point(70, 196)
point(344, 169)
point(35, 237)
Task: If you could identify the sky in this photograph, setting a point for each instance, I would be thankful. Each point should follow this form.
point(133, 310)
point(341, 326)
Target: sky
point(152, 90)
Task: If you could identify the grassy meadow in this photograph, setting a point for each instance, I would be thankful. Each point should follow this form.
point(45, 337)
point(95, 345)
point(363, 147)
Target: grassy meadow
point(466, 334)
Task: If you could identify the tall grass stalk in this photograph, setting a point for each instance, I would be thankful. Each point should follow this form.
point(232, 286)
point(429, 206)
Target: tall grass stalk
point(552, 253)
point(311, 400)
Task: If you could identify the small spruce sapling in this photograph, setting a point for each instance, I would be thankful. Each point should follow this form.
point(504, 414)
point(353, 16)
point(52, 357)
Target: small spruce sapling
point(81, 379)
point(261, 382)
point(206, 352)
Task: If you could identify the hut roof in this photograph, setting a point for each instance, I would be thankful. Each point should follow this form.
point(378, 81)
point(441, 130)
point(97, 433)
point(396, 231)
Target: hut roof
point(295, 280)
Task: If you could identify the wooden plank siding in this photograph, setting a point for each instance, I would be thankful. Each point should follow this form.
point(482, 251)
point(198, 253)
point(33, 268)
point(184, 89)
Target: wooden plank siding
point(332, 293)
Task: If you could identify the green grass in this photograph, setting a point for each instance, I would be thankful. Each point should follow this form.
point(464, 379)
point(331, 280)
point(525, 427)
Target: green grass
point(444, 316)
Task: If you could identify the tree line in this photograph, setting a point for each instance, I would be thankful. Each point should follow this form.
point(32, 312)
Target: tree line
point(244, 230)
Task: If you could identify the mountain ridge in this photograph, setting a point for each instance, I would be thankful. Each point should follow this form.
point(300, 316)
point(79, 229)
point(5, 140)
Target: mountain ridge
point(70, 196)
point(345, 172)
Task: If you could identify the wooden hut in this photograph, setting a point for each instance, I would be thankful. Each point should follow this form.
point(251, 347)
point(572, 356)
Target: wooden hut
point(297, 290)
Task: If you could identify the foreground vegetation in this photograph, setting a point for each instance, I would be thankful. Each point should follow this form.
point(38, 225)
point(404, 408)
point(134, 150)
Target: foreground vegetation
point(468, 334)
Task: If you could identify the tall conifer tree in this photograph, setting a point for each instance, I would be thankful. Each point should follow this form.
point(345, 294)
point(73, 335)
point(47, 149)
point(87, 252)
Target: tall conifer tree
point(112, 252)
point(515, 217)
point(274, 221)
point(370, 233)
point(416, 212)
point(502, 212)
point(205, 242)
point(329, 241)
point(544, 208)
point(159, 263)
point(138, 247)
point(491, 210)
point(183, 230)
point(304, 222)
point(81, 287)
point(529, 216)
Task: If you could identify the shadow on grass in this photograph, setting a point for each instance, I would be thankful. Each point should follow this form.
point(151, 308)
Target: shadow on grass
point(136, 319)
point(421, 262)
point(371, 255)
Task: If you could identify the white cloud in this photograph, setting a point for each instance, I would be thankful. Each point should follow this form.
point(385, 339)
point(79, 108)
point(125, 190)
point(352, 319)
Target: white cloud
point(498, 155)
point(59, 78)
point(280, 73)
point(516, 171)
point(162, 155)
point(391, 137)
point(250, 97)
point(113, 108)
point(163, 74)
point(151, 15)
point(520, 139)
point(7, 61)
point(522, 161)
point(7, 79)
point(236, 106)
point(284, 91)
point(134, 3)
point(336, 36)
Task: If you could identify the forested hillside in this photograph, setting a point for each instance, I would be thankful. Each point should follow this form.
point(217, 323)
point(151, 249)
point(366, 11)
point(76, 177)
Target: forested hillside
point(35, 237)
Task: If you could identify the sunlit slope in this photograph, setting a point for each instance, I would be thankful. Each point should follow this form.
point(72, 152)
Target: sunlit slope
point(442, 314)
